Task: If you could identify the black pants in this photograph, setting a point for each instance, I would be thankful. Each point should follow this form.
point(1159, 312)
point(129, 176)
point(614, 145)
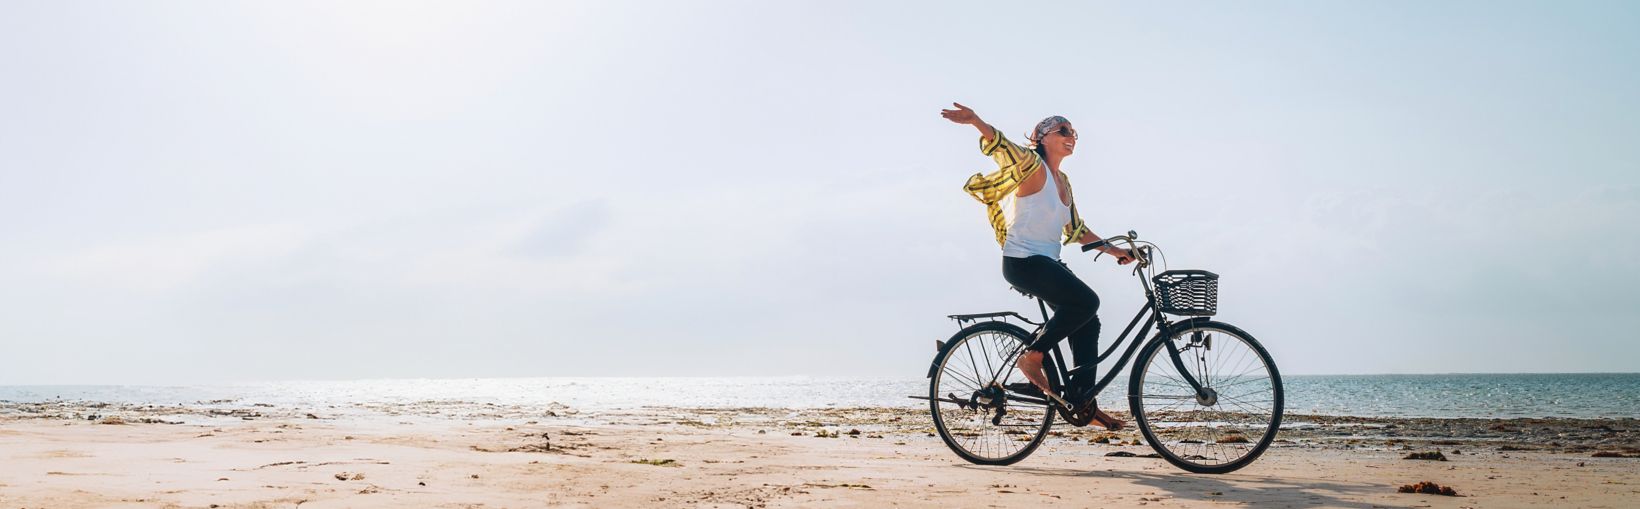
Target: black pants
point(1075, 306)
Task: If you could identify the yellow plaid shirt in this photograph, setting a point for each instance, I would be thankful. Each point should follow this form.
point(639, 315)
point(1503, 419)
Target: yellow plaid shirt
point(1014, 165)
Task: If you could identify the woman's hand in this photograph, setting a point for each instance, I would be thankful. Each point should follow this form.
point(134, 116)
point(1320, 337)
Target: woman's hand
point(965, 116)
point(1123, 257)
point(961, 115)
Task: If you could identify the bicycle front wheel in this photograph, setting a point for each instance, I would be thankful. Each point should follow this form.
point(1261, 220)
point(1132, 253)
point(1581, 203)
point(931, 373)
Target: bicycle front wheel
point(973, 411)
point(1227, 425)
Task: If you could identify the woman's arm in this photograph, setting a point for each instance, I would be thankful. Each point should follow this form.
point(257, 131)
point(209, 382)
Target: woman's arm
point(1122, 255)
point(1014, 163)
point(963, 115)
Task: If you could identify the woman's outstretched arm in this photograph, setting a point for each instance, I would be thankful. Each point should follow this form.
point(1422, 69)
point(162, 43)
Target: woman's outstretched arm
point(963, 115)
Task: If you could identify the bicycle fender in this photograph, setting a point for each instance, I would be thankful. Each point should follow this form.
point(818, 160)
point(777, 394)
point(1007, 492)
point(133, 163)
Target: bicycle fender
point(1175, 327)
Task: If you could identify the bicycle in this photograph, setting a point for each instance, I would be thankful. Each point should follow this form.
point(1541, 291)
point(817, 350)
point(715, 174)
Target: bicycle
point(1204, 394)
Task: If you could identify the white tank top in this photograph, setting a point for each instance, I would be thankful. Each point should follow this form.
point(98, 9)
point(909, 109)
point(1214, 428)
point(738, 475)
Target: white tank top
point(1036, 223)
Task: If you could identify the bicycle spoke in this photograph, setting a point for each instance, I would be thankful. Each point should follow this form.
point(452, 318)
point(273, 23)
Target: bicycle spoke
point(1241, 381)
point(1254, 366)
point(1243, 407)
point(990, 372)
point(969, 346)
point(973, 385)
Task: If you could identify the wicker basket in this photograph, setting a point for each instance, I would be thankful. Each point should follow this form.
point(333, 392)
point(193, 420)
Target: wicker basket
point(1188, 292)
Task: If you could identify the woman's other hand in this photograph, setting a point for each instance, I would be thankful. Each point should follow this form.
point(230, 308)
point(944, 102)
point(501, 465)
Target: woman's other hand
point(1124, 257)
point(961, 115)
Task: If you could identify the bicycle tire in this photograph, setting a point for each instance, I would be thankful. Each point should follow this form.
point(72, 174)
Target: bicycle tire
point(1208, 429)
point(958, 346)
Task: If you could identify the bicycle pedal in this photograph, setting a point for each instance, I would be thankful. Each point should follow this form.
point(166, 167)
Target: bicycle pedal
point(1024, 389)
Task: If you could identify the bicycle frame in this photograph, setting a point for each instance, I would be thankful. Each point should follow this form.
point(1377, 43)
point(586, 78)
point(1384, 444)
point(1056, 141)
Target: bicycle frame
point(1157, 319)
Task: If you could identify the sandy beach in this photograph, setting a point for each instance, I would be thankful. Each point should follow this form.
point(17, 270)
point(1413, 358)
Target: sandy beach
point(453, 454)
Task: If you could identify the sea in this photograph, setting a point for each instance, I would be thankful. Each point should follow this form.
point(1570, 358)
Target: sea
point(1583, 395)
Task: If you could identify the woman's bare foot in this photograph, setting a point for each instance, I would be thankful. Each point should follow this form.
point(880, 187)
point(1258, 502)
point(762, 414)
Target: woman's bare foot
point(1030, 364)
point(1104, 419)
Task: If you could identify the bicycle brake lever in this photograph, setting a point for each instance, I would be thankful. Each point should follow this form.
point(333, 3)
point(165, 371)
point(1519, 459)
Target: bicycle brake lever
point(1139, 264)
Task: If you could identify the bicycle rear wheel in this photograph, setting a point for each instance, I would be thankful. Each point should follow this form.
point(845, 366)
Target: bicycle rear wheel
point(1218, 432)
point(974, 413)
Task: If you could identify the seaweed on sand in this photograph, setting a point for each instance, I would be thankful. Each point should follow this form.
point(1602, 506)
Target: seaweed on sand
point(1429, 488)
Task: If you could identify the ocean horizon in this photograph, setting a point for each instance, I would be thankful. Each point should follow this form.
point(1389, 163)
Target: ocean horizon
point(1456, 395)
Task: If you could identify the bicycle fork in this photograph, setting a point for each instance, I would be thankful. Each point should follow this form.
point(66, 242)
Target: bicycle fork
point(1205, 396)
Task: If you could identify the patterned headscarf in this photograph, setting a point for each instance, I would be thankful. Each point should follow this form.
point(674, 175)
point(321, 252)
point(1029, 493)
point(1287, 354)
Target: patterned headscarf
point(1047, 125)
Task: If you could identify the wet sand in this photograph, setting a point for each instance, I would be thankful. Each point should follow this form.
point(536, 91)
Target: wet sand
point(455, 454)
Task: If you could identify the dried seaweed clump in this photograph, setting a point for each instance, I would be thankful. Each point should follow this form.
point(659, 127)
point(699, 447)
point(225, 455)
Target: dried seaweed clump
point(1430, 488)
point(1613, 454)
point(1433, 456)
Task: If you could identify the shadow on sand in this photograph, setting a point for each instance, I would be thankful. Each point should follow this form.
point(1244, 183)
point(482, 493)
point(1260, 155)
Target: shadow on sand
point(1259, 491)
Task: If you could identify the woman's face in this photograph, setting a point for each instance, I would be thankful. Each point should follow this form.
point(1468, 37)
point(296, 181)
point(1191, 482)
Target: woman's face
point(1061, 141)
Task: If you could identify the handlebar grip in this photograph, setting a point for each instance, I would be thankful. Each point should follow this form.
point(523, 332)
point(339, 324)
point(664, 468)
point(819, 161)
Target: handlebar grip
point(1095, 245)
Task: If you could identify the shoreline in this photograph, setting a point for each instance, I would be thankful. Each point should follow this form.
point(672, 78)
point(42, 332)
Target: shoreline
point(1561, 435)
point(1577, 395)
point(1555, 434)
point(454, 454)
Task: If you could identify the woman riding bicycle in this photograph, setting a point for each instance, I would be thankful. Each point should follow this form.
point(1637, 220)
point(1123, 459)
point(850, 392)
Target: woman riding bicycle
point(1031, 219)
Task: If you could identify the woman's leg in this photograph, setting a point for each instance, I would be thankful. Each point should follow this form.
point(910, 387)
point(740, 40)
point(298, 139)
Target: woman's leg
point(1085, 351)
point(1073, 302)
point(1085, 339)
point(1075, 314)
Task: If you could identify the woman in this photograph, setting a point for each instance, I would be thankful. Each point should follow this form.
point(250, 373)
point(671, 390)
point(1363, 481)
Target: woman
point(1031, 209)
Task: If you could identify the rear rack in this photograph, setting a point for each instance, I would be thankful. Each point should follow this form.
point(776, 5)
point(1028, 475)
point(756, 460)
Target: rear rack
point(964, 319)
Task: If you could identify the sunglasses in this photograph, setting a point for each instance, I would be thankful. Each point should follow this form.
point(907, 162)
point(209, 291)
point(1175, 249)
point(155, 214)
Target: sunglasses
point(1065, 131)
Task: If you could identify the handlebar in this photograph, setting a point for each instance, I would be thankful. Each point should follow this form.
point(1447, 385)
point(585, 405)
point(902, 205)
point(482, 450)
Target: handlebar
point(1141, 255)
point(1129, 238)
point(1095, 245)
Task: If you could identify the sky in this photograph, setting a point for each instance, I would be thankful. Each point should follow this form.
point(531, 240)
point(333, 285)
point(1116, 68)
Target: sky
point(206, 192)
